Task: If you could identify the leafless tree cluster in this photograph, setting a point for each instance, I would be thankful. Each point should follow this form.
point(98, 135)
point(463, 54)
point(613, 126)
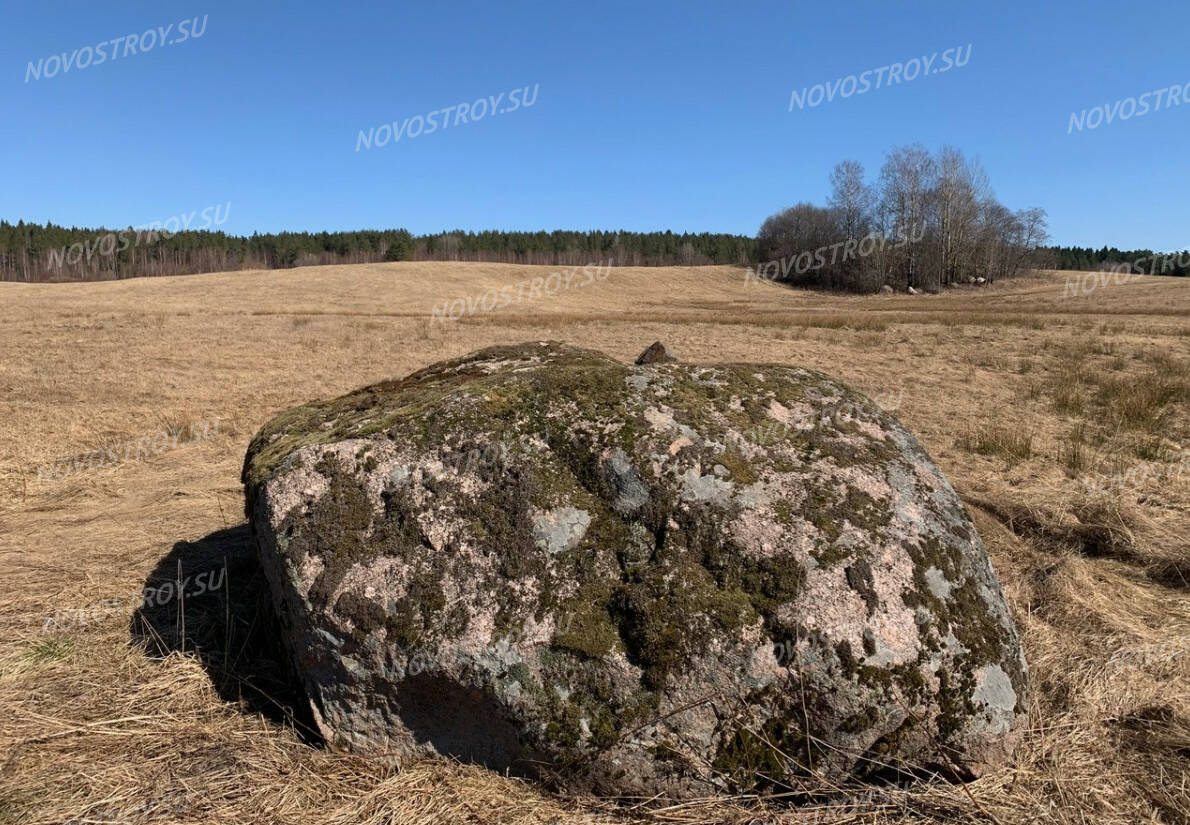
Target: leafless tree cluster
point(928, 222)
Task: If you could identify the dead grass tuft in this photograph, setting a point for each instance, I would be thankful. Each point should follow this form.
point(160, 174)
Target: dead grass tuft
point(1074, 453)
point(1144, 401)
point(1007, 442)
point(1069, 393)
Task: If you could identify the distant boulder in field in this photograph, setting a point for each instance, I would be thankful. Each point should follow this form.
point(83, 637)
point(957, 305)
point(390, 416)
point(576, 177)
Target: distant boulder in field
point(886, 289)
point(672, 579)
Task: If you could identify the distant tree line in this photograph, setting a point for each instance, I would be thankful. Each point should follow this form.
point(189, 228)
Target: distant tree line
point(33, 252)
point(928, 221)
point(1138, 261)
point(574, 248)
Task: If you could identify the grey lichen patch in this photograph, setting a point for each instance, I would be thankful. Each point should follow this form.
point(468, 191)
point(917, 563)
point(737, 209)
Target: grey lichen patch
point(696, 487)
point(993, 689)
point(630, 492)
point(939, 585)
point(560, 529)
point(638, 380)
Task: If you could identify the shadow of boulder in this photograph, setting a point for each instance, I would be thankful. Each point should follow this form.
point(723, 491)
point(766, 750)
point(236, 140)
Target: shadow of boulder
point(209, 599)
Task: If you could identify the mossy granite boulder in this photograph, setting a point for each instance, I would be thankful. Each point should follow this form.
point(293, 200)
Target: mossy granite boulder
point(549, 562)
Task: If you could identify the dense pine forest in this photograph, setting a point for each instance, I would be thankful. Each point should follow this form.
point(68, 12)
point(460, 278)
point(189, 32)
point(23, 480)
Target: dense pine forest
point(1138, 261)
point(40, 253)
point(31, 252)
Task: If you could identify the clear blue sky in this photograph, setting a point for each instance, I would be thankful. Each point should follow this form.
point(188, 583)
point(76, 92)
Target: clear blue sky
point(649, 115)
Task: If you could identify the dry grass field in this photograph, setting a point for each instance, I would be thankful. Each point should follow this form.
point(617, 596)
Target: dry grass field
point(178, 714)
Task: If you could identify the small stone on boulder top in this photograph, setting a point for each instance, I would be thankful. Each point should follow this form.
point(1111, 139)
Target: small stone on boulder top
point(654, 354)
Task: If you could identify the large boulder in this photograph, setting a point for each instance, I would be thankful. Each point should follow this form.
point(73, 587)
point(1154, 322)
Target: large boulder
point(633, 580)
